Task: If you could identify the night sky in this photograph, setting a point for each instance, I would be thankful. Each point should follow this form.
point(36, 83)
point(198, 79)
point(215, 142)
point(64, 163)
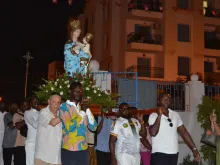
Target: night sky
point(37, 26)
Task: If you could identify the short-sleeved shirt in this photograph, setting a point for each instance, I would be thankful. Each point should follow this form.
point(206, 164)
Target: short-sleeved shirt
point(166, 141)
point(18, 117)
point(10, 133)
point(49, 138)
point(103, 136)
point(127, 141)
point(75, 125)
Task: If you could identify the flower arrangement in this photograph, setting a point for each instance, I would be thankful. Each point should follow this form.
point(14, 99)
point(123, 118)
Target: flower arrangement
point(90, 90)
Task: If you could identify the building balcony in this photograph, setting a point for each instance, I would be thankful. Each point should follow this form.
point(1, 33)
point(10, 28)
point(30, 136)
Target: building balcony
point(147, 42)
point(140, 8)
point(212, 17)
point(212, 47)
point(148, 72)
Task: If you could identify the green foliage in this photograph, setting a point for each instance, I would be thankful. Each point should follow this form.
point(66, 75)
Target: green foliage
point(62, 84)
point(205, 109)
point(188, 161)
point(208, 152)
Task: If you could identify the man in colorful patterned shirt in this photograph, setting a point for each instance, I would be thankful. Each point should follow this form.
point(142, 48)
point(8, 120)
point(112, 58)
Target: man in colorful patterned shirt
point(76, 119)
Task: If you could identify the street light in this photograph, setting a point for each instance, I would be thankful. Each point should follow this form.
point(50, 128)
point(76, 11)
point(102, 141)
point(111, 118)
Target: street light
point(28, 57)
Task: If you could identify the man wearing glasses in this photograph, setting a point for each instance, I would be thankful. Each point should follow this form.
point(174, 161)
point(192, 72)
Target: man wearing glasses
point(125, 138)
point(165, 125)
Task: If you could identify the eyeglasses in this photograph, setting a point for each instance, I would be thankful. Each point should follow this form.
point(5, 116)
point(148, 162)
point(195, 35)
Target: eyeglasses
point(170, 121)
point(124, 109)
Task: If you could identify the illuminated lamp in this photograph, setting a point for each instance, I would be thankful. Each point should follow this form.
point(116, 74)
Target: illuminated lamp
point(70, 2)
point(54, 1)
point(205, 4)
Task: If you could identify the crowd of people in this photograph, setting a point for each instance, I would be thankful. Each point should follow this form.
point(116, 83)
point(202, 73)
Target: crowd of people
point(67, 133)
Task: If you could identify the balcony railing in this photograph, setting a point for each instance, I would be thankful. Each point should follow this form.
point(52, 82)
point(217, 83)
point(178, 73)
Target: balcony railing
point(151, 72)
point(147, 39)
point(150, 5)
point(212, 43)
point(214, 13)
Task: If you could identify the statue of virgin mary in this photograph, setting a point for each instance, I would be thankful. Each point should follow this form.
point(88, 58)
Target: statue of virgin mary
point(73, 50)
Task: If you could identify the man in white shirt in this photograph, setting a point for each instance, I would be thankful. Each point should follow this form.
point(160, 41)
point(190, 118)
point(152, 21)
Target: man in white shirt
point(2, 129)
point(49, 134)
point(125, 138)
point(165, 125)
point(31, 119)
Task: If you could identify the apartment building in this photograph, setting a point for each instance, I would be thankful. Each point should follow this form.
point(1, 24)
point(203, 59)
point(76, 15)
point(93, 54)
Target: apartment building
point(159, 39)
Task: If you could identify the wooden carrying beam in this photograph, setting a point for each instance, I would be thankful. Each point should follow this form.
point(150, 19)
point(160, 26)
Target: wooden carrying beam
point(96, 111)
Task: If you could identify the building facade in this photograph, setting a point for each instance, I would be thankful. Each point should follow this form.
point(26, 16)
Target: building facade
point(159, 39)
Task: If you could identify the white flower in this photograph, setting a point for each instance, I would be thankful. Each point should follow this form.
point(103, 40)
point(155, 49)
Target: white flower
point(90, 82)
point(46, 91)
point(55, 83)
point(93, 86)
point(62, 79)
point(87, 88)
point(99, 95)
point(82, 82)
point(66, 82)
point(43, 85)
point(52, 88)
point(60, 86)
point(61, 93)
point(94, 91)
point(88, 97)
point(68, 86)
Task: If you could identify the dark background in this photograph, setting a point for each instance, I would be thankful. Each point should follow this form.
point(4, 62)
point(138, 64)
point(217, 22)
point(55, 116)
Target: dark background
point(38, 26)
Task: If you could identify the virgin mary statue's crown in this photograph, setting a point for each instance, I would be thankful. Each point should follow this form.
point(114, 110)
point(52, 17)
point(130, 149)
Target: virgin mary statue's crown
point(74, 24)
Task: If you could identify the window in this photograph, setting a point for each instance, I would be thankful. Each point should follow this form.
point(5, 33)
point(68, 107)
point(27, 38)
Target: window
point(183, 66)
point(106, 41)
point(183, 4)
point(208, 66)
point(209, 35)
point(183, 33)
point(143, 67)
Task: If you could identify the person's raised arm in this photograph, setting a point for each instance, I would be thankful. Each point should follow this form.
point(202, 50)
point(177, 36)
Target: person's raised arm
point(154, 123)
point(99, 128)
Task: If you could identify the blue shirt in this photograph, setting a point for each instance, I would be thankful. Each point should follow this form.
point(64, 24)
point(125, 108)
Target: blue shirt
point(103, 136)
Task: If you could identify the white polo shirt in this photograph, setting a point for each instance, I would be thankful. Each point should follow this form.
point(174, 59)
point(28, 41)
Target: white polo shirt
point(127, 142)
point(166, 141)
point(48, 140)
